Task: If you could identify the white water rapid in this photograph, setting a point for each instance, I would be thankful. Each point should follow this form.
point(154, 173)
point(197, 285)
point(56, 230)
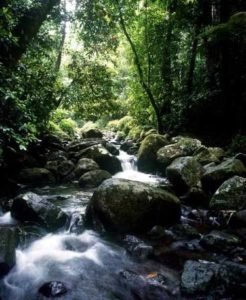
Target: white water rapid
point(91, 267)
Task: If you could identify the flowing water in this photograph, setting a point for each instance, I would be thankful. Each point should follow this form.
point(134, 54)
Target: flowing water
point(91, 267)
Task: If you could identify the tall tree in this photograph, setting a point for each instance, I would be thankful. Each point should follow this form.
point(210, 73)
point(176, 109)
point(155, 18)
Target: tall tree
point(26, 28)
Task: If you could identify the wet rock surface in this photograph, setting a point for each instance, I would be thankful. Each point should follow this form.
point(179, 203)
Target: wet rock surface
point(188, 243)
point(127, 206)
point(31, 207)
point(53, 289)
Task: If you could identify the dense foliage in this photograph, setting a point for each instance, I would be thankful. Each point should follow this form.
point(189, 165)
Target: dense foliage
point(174, 65)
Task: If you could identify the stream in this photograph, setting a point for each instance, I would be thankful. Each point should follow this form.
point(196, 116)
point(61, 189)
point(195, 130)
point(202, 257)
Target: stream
point(82, 264)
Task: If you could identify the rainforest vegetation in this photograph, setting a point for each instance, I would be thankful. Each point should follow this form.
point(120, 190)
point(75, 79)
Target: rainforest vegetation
point(177, 66)
point(122, 149)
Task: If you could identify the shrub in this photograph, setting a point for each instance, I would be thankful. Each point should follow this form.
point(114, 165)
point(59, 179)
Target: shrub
point(68, 126)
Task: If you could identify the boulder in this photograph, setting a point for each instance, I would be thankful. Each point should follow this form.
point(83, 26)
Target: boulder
point(214, 176)
point(184, 173)
point(182, 147)
point(36, 176)
point(128, 206)
point(57, 156)
point(231, 195)
point(92, 133)
point(219, 241)
point(111, 148)
point(93, 178)
point(65, 168)
point(206, 155)
point(233, 275)
point(83, 144)
point(53, 289)
point(9, 238)
point(105, 160)
point(85, 165)
point(147, 154)
point(198, 277)
point(31, 207)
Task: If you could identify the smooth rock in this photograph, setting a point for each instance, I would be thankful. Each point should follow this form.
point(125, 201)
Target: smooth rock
point(31, 207)
point(93, 178)
point(85, 165)
point(147, 154)
point(127, 206)
point(36, 176)
point(103, 158)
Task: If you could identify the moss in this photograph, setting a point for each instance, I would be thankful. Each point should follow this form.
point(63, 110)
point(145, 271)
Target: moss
point(147, 155)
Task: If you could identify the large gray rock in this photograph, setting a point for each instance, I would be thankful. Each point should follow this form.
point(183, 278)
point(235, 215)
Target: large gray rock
point(65, 168)
point(231, 195)
point(198, 277)
point(85, 165)
point(127, 206)
point(83, 144)
point(9, 238)
point(183, 146)
point(93, 178)
point(31, 207)
point(211, 154)
point(184, 173)
point(36, 176)
point(219, 241)
point(92, 133)
point(233, 275)
point(216, 175)
point(103, 158)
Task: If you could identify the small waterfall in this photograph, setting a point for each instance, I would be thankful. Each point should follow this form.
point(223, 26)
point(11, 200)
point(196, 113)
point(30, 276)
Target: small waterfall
point(7, 219)
point(130, 171)
point(128, 162)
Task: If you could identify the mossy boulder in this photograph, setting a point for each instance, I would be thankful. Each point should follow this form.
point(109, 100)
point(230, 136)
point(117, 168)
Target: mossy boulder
point(92, 133)
point(131, 207)
point(184, 173)
point(36, 176)
point(183, 146)
point(206, 155)
point(215, 175)
point(231, 195)
point(85, 165)
point(93, 178)
point(147, 154)
point(219, 241)
point(103, 158)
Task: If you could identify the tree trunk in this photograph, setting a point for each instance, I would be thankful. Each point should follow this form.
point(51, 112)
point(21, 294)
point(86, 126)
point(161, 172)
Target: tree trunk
point(190, 77)
point(142, 81)
point(27, 28)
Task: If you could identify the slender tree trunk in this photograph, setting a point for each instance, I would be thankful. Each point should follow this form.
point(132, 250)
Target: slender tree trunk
point(192, 64)
point(166, 68)
point(63, 39)
point(142, 81)
point(27, 28)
